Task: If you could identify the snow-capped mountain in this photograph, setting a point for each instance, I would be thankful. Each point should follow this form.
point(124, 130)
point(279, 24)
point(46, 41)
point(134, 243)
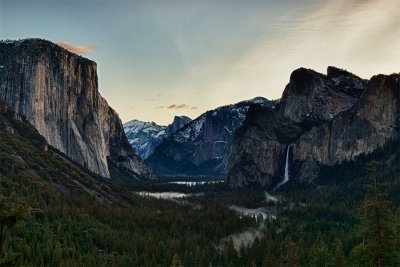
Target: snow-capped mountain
point(144, 137)
point(203, 146)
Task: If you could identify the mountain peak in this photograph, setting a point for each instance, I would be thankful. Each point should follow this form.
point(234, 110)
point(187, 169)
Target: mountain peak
point(145, 137)
point(313, 94)
point(179, 122)
point(38, 45)
point(303, 81)
point(202, 147)
point(182, 117)
point(68, 110)
point(323, 120)
point(333, 72)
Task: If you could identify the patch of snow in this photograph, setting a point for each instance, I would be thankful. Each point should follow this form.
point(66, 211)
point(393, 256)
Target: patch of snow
point(160, 134)
point(144, 137)
point(258, 100)
point(191, 131)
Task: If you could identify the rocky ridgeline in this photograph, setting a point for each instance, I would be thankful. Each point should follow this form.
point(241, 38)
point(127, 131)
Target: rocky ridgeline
point(202, 147)
point(57, 92)
point(145, 137)
point(326, 119)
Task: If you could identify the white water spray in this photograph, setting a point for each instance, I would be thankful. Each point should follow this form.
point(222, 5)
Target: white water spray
point(286, 177)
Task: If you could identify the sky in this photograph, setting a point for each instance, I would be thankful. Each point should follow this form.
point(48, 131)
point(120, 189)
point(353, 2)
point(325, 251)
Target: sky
point(158, 59)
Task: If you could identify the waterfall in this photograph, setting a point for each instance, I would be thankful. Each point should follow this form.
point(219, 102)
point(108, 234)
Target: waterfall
point(286, 177)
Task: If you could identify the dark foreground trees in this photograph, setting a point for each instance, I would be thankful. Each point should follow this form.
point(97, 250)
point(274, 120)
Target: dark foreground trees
point(377, 227)
point(9, 216)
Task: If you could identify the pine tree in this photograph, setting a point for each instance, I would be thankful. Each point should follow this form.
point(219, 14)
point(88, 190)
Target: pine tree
point(289, 253)
point(269, 258)
point(231, 255)
point(377, 228)
point(242, 254)
point(319, 253)
point(9, 217)
point(176, 261)
point(338, 257)
point(397, 235)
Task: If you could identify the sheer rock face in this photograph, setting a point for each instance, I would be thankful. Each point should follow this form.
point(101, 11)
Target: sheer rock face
point(57, 92)
point(346, 119)
point(202, 147)
point(177, 124)
point(251, 161)
point(312, 94)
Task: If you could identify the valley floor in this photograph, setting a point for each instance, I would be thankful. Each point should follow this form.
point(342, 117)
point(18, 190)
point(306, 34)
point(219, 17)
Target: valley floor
point(68, 224)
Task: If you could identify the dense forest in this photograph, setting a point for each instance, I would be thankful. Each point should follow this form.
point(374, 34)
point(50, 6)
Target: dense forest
point(54, 213)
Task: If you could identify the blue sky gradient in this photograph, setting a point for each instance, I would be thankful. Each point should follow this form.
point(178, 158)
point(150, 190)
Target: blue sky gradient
point(152, 55)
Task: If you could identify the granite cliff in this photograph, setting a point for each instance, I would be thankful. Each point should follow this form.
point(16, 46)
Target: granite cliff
point(321, 120)
point(57, 92)
point(202, 147)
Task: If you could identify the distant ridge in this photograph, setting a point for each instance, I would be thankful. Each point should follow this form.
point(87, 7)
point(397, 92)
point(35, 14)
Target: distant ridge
point(145, 137)
point(202, 147)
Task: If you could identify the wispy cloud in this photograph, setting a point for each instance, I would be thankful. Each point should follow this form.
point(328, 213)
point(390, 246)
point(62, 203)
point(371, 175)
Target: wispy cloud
point(159, 93)
point(173, 106)
point(77, 49)
point(361, 36)
point(181, 106)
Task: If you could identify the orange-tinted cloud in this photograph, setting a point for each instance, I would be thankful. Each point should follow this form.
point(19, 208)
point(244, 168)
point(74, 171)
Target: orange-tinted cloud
point(173, 106)
point(77, 49)
point(181, 106)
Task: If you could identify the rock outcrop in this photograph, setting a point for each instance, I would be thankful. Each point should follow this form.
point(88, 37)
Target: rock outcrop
point(313, 95)
point(145, 137)
point(177, 124)
point(57, 92)
point(203, 146)
point(327, 119)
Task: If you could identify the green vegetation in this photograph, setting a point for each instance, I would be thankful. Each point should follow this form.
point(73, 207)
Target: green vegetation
point(79, 219)
point(377, 228)
point(9, 217)
point(55, 213)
